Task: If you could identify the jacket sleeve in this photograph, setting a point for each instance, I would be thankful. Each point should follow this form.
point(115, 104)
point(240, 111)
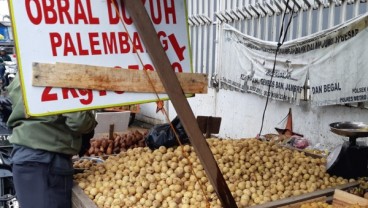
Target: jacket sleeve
point(80, 122)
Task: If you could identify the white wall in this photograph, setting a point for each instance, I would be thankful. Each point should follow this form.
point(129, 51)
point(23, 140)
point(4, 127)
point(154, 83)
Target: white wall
point(242, 113)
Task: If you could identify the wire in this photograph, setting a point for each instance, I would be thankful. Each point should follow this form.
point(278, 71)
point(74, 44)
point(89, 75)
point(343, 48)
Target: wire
point(279, 44)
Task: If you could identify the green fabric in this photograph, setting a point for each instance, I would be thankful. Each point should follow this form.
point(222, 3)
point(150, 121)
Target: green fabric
point(59, 133)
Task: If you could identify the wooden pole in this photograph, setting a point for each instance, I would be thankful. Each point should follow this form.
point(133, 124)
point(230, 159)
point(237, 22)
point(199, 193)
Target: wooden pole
point(172, 86)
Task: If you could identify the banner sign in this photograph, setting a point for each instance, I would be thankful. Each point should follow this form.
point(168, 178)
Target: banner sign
point(335, 59)
point(339, 70)
point(92, 33)
point(247, 65)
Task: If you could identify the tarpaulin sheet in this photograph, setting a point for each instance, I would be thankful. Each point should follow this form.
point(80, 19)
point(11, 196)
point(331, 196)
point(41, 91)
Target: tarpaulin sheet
point(336, 60)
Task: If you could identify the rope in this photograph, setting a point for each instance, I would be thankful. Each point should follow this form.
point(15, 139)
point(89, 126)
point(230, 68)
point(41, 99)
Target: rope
point(159, 100)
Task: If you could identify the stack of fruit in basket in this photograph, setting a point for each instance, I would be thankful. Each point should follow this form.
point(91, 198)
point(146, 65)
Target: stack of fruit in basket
point(256, 172)
point(84, 163)
point(119, 143)
point(322, 153)
point(362, 189)
point(275, 138)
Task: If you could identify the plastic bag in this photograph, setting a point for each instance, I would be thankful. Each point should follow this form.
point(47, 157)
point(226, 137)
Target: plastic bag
point(299, 142)
point(163, 135)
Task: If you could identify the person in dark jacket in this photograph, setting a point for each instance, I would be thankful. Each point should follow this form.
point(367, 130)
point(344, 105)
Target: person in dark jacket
point(2, 68)
point(3, 55)
point(42, 151)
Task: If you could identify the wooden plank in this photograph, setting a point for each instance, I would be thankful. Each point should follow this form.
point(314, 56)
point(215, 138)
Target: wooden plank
point(308, 196)
point(343, 198)
point(80, 199)
point(161, 62)
point(298, 204)
point(106, 78)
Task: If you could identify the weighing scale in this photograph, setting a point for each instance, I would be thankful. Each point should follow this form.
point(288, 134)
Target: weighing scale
point(350, 159)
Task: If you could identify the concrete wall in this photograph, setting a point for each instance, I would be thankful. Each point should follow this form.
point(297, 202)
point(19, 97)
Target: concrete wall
point(242, 114)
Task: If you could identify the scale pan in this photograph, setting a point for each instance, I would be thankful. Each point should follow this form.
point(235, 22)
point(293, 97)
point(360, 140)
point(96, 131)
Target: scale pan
point(350, 129)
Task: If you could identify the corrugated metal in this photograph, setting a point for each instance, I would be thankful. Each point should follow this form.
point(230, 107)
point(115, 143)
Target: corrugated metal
point(203, 34)
point(261, 19)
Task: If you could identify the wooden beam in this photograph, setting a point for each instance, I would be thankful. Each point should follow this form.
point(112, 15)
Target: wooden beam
point(107, 78)
point(345, 199)
point(161, 62)
point(80, 199)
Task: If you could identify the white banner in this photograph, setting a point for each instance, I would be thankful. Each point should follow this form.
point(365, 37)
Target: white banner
point(339, 71)
point(247, 65)
point(336, 60)
point(91, 32)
